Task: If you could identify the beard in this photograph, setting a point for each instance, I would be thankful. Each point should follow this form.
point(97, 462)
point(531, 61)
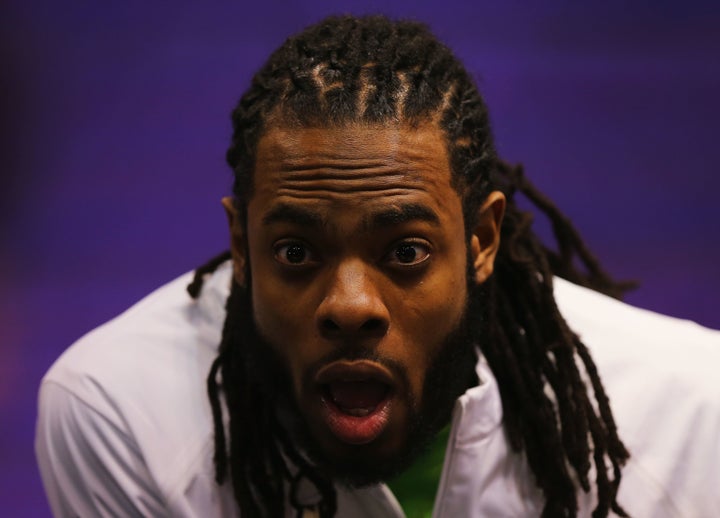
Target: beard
point(450, 374)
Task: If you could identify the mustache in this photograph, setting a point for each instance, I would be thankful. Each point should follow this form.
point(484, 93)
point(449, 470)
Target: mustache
point(354, 352)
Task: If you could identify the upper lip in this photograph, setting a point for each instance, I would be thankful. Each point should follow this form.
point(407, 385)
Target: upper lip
point(359, 370)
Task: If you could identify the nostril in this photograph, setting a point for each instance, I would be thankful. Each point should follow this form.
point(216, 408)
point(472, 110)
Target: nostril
point(329, 325)
point(373, 324)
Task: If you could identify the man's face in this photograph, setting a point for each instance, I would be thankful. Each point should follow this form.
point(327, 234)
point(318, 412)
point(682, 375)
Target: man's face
point(358, 261)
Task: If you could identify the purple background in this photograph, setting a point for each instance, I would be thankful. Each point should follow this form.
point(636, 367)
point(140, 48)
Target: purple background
point(114, 121)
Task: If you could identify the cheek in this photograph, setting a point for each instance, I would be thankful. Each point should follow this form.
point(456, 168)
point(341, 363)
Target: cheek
point(430, 315)
point(284, 318)
point(273, 311)
point(276, 309)
point(280, 322)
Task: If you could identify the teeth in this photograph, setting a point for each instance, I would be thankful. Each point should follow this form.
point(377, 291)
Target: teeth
point(357, 412)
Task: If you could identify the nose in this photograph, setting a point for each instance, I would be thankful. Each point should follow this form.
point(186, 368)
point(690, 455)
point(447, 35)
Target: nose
point(353, 306)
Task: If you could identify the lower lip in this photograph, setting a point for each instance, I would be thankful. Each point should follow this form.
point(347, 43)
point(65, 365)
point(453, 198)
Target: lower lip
point(356, 430)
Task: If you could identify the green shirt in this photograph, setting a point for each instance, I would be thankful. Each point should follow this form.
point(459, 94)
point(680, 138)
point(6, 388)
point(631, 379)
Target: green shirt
point(416, 487)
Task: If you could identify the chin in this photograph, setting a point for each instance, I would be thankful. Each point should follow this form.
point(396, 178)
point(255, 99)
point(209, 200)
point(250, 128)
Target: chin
point(357, 465)
point(360, 466)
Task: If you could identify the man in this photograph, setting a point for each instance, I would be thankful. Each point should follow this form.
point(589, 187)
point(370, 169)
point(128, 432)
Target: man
point(384, 300)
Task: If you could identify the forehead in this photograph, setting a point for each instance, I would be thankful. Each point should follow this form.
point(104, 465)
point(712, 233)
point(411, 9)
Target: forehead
point(355, 163)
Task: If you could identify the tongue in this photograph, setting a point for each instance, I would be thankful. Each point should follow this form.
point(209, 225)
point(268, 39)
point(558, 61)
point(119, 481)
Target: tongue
point(357, 394)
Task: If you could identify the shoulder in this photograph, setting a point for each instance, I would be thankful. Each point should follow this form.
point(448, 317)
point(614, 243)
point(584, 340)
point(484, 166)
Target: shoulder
point(660, 374)
point(680, 356)
point(166, 325)
point(157, 352)
point(600, 316)
point(129, 397)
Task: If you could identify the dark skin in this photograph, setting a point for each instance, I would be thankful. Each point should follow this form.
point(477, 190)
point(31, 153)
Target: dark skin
point(356, 242)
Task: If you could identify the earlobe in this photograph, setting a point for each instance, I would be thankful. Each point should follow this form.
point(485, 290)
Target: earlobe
point(485, 238)
point(237, 239)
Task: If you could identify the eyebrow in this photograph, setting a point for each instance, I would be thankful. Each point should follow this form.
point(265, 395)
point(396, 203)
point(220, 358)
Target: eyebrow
point(284, 213)
point(400, 214)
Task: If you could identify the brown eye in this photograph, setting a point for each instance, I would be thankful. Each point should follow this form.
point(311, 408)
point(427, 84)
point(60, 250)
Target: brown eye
point(409, 253)
point(406, 253)
point(292, 253)
point(295, 254)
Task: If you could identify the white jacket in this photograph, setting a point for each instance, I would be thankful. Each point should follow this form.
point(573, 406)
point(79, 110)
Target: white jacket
point(125, 427)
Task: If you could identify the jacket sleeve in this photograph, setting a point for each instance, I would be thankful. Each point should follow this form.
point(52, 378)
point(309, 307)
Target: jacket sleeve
point(89, 465)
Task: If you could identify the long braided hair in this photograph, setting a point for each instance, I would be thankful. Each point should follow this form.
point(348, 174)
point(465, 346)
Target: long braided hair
point(373, 70)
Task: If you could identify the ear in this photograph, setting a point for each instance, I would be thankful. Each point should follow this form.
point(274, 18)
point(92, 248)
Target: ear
point(485, 237)
point(237, 239)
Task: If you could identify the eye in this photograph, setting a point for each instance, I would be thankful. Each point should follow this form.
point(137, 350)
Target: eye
point(293, 253)
point(409, 253)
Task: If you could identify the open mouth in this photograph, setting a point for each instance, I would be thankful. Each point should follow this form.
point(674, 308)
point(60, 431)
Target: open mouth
point(356, 399)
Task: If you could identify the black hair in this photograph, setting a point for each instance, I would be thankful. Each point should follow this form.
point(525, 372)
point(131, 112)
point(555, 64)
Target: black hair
point(377, 71)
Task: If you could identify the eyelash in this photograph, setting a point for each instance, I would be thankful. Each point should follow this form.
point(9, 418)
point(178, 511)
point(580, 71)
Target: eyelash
point(277, 251)
point(306, 257)
point(414, 243)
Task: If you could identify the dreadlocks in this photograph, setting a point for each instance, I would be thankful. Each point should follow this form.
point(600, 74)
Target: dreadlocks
point(372, 70)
